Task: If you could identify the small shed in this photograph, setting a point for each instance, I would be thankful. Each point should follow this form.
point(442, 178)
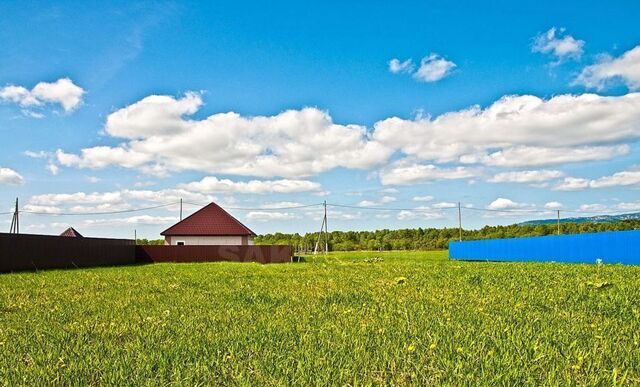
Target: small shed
point(211, 225)
point(71, 233)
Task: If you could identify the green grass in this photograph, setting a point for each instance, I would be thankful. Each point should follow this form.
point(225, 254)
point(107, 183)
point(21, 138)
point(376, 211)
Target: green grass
point(412, 318)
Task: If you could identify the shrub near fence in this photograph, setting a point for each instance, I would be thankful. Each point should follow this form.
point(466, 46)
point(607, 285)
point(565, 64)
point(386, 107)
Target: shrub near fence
point(34, 252)
point(214, 253)
point(610, 247)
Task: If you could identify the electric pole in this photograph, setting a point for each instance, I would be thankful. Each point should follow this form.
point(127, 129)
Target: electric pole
point(15, 222)
point(180, 209)
point(326, 229)
point(323, 228)
point(558, 222)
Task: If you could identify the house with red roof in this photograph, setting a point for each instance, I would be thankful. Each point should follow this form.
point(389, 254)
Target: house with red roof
point(211, 225)
point(71, 233)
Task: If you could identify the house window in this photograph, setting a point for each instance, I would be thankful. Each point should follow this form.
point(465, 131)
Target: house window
point(180, 243)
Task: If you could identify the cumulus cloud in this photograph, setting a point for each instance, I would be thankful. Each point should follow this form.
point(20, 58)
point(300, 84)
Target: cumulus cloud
point(264, 216)
point(443, 205)
point(295, 143)
point(527, 156)
point(520, 131)
point(555, 42)
point(433, 68)
point(395, 66)
point(618, 179)
point(553, 205)
point(114, 200)
point(419, 213)
point(383, 200)
point(405, 172)
point(62, 92)
point(426, 198)
point(160, 137)
point(529, 177)
point(572, 184)
point(506, 204)
point(10, 177)
point(625, 68)
point(131, 220)
point(212, 184)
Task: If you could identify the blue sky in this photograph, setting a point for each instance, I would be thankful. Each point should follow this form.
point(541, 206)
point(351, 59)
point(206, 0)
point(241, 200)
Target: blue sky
point(523, 108)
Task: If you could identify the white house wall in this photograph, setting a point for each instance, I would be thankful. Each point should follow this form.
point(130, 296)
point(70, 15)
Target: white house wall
point(207, 240)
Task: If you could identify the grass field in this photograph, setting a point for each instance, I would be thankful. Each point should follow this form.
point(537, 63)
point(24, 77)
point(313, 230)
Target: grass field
point(352, 318)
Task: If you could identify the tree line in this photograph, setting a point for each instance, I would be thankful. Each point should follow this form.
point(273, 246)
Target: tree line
point(431, 238)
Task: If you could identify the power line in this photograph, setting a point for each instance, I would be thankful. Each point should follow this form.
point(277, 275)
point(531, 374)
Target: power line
point(390, 208)
point(98, 213)
point(262, 208)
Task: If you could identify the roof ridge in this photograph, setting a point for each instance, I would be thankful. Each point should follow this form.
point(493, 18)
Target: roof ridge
point(227, 221)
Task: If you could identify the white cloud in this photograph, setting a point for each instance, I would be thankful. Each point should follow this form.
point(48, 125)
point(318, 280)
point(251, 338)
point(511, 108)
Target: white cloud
point(553, 205)
point(528, 177)
point(107, 200)
point(405, 172)
point(212, 184)
point(506, 204)
point(63, 92)
point(520, 131)
point(280, 205)
point(444, 205)
point(426, 198)
point(265, 216)
point(593, 207)
point(294, 143)
point(558, 44)
point(132, 220)
point(618, 179)
point(411, 215)
point(572, 184)
point(395, 66)
point(10, 177)
point(53, 168)
point(628, 206)
point(433, 68)
point(625, 68)
point(526, 156)
point(383, 200)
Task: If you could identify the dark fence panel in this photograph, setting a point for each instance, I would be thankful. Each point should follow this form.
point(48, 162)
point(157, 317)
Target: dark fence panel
point(35, 252)
point(214, 253)
point(611, 247)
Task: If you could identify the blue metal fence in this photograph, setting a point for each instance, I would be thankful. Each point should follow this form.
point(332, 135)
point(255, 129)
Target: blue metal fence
point(611, 247)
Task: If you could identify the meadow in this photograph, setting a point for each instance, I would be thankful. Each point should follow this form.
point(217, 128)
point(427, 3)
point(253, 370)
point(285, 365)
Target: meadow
point(357, 318)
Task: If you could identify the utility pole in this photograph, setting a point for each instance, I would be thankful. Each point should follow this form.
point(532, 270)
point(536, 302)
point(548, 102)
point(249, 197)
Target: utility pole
point(135, 236)
point(460, 221)
point(15, 222)
point(323, 228)
point(326, 229)
point(558, 222)
point(180, 209)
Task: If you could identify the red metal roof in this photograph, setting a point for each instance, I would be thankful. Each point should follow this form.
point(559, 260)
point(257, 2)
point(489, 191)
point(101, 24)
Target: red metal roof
point(211, 220)
point(71, 232)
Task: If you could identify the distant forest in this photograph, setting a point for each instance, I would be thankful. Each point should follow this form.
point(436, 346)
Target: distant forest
point(431, 238)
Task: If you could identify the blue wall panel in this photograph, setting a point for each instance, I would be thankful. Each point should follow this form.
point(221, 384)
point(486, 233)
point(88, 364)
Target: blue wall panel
point(612, 247)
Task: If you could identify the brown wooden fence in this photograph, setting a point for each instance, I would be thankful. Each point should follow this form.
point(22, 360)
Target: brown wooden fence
point(211, 253)
point(34, 252)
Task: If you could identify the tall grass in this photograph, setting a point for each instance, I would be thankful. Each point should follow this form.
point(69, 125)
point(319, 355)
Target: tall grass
point(349, 318)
